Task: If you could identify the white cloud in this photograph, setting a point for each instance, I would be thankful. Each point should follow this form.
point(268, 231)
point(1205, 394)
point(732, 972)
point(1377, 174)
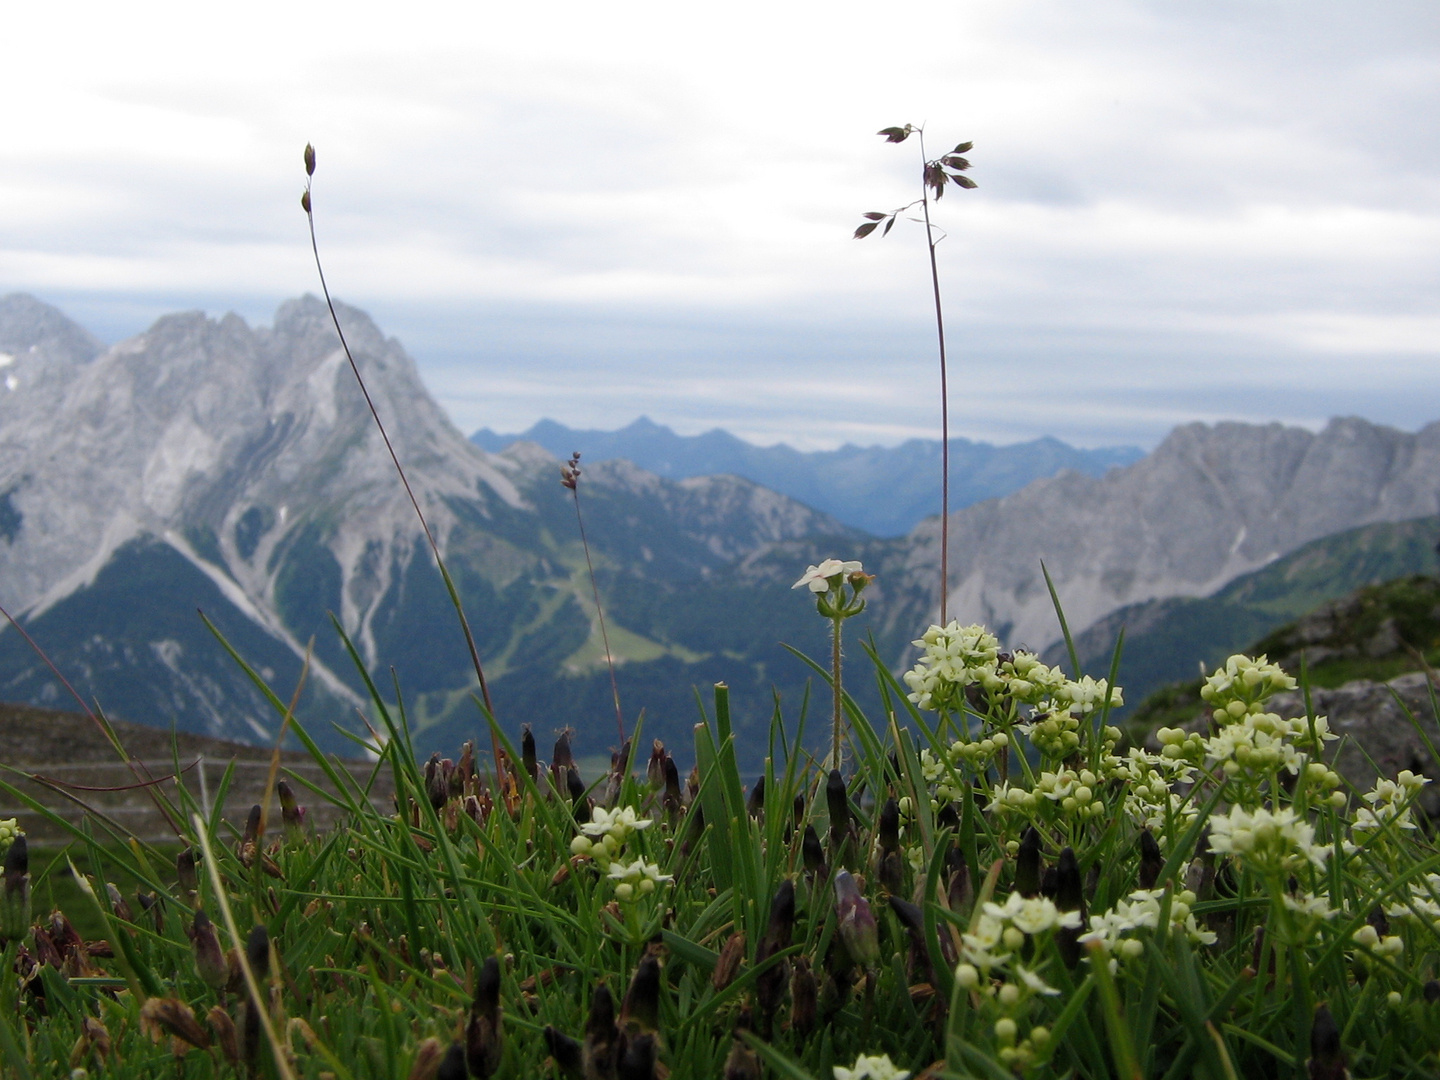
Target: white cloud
point(1254, 185)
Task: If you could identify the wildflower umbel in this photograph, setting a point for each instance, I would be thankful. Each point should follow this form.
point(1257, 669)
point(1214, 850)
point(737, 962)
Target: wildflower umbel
point(871, 1067)
point(836, 586)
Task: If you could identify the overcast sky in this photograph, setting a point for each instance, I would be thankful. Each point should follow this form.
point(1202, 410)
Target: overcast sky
point(592, 211)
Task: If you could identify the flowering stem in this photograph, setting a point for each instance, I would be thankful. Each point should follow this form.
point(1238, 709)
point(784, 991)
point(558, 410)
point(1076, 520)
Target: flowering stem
point(930, 242)
point(835, 686)
point(600, 611)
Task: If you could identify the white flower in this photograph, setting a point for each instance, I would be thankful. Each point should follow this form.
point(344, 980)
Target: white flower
point(619, 823)
point(871, 1067)
point(1035, 982)
point(638, 876)
point(818, 577)
point(1278, 842)
point(1034, 915)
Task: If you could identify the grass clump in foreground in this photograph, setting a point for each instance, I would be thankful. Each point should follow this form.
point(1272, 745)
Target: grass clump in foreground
point(983, 887)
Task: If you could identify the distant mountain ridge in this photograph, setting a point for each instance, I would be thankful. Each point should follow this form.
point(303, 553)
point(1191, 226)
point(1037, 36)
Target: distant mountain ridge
point(210, 464)
point(885, 490)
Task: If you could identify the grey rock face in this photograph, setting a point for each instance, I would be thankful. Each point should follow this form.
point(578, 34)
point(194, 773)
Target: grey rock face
point(1208, 504)
point(1372, 723)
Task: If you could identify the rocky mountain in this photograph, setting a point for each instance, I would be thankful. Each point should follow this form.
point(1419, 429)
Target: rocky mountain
point(208, 464)
point(883, 490)
point(1208, 504)
point(1166, 640)
point(235, 469)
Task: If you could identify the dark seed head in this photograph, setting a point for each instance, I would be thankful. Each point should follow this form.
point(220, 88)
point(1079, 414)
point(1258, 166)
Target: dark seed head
point(1027, 863)
point(309, 160)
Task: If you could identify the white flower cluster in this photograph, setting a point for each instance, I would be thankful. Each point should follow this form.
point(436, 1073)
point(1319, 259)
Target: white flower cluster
point(1141, 911)
point(1269, 842)
point(1423, 906)
point(1243, 682)
point(1005, 926)
point(1024, 678)
point(9, 830)
point(871, 1067)
point(638, 878)
point(1390, 803)
point(1369, 939)
point(606, 833)
point(955, 656)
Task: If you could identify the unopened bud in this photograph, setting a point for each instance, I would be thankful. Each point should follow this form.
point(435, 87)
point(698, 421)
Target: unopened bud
point(856, 922)
point(309, 160)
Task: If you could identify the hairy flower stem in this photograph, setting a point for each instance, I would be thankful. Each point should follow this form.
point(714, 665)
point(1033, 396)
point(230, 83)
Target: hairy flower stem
point(930, 242)
point(600, 611)
point(835, 687)
point(307, 205)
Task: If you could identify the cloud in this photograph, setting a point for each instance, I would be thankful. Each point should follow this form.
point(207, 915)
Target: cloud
point(610, 199)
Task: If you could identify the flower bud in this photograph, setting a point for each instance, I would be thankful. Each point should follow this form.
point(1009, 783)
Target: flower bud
point(811, 851)
point(731, 957)
point(484, 1039)
point(856, 923)
point(1151, 860)
point(1327, 1056)
point(641, 1008)
point(755, 806)
point(804, 992)
point(452, 1065)
point(743, 1063)
point(309, 160)
point(291, 812)
point(655, 767)
point(209, 957)
point(637, 1062)
point(1027, 864)
point(171, 1016)
point(566, 1053)
point(185, 873)
point(15, 891)
point(601, 1035)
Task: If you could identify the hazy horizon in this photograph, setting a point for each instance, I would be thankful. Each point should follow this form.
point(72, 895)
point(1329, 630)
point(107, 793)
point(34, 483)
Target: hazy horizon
point(1217, 212)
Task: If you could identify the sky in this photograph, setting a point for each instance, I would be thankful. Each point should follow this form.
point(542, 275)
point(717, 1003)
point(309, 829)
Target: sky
point(1185, 211)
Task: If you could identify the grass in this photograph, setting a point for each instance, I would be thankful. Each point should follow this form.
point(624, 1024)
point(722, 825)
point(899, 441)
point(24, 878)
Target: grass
point(380, 931)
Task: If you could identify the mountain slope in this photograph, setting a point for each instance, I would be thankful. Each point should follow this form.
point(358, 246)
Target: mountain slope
point(1166, 640)
point(1209, 504)
point(208, 464)
point(883, 490)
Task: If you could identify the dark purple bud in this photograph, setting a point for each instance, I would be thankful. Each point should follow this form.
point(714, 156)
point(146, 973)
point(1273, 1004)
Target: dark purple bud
point(743, 1063)
point(257, 951)
point(641, 1009)
point(309, 160)
point(602, 1036)
point(436, 788)
point(638, 1060)
point(305, 200)
point(890, 826)
point(185, 871)
point(756, 803)
point(566, 1053)
point(804, 990)
point(484, 1038)
point(811, 851)
point(1027, 863)
point(528, 759)
point(209, 957)
point(1151, 860)
point(1432, 991)
point(855, 921)
point(1327, 1057)
point(117, 903)
point(655, 767)
point(452, 1065)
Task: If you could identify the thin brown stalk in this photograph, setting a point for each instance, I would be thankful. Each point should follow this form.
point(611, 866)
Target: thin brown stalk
point(571, 478)
point(307, 203)
point(137, 768)
point(930, 242)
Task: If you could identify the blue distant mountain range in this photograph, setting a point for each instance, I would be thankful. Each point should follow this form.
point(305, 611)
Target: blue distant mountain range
point(885, 490)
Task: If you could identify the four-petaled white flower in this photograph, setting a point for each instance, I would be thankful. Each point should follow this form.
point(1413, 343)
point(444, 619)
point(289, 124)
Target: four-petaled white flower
point(818, 577)
point(871, 1067)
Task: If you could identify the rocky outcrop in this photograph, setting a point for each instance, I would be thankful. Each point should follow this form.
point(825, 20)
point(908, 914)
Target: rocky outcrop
point(1379, 723)
point(1210, 503)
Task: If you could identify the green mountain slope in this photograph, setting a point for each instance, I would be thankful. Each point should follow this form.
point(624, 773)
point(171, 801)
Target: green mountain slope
point(1166, 641)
